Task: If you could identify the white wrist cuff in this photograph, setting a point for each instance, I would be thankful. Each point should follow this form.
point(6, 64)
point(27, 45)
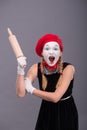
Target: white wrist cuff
point(28, 86)
point(20, 70)
point(22, 61)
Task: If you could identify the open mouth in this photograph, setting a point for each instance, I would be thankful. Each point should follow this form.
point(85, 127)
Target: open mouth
point(51, 58)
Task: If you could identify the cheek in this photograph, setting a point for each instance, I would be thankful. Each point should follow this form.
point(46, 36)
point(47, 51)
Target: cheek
point(57, 53)
point(45, 54)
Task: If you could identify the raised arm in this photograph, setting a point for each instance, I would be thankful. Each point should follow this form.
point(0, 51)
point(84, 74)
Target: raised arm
point(21, 84)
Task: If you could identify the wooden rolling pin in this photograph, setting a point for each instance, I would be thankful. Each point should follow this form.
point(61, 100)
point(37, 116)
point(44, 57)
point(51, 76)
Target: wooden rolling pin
point(14, 44)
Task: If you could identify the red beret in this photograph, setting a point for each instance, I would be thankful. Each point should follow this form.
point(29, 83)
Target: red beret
point(47, 38)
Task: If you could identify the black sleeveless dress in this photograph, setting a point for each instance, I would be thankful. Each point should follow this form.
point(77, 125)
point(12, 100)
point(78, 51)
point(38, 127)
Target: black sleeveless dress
point(62, 115)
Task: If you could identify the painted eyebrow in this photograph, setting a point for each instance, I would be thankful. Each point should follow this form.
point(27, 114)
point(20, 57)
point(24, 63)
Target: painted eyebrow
point(46, 45)
point(54, 45)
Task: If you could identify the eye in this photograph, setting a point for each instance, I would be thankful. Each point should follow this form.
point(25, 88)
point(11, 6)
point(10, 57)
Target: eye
point(46, 48)
point(56, 49)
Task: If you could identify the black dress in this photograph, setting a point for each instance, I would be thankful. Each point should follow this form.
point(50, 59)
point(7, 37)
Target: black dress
point(62, 115)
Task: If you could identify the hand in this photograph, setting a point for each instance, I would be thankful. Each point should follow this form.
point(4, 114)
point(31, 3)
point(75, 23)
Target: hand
point(28, 85)
point(22, 61)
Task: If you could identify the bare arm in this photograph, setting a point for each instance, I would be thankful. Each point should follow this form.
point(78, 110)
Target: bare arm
point(20, 86)
point(20, 81)
point(49, 96)
point(59, 92)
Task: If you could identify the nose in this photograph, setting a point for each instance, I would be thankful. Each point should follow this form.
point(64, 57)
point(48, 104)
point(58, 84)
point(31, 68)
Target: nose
point(51, 51)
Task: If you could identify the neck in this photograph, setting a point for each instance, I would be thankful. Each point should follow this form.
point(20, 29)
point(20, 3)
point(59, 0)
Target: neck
point(48, 71)
point(50, 68)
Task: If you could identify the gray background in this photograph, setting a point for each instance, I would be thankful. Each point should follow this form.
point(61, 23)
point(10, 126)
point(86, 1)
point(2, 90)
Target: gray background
point(29, 20)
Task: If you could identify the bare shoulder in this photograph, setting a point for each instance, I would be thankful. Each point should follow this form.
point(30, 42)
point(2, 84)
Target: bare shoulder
point(33, 68)
point(32, 72)
point(69, 70)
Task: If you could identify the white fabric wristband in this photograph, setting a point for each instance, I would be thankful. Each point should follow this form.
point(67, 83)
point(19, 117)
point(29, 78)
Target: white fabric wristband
point(22, 61)
point(28, 85)
point(20, 70)
point(21, 65)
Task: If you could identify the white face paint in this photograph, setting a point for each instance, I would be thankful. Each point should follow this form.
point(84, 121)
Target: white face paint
point(51, 53)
